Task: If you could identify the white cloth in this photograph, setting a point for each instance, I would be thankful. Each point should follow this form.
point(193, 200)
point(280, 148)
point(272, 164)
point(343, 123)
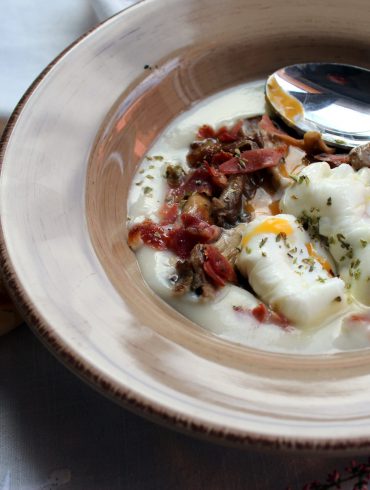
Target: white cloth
point(34, 33)
point(106, 8)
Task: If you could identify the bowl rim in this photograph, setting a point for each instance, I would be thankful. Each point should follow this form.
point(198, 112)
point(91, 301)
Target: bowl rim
point(99, 380)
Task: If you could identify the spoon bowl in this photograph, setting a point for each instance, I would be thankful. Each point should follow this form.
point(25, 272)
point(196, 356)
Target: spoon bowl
point(331, 98)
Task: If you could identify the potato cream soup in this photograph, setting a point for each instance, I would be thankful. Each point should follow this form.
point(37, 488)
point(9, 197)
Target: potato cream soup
point(256, 234)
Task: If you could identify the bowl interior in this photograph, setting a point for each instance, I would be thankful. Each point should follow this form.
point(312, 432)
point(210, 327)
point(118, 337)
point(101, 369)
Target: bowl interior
point(64, 186)
point(164, 90)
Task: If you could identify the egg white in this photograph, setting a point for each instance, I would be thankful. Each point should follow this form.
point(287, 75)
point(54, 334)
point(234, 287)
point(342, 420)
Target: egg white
point(338, 201)
point(285, 276)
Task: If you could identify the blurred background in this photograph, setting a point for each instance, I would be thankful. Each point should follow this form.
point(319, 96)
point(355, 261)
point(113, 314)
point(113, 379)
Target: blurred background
point(33, 33)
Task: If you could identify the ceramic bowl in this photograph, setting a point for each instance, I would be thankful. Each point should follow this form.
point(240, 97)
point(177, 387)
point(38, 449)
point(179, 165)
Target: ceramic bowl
point(68, 156)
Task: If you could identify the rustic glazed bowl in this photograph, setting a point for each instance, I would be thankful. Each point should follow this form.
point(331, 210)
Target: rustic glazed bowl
point(68, 156)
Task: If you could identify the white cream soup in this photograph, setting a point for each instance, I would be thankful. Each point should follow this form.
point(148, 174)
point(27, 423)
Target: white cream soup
point(323, 308)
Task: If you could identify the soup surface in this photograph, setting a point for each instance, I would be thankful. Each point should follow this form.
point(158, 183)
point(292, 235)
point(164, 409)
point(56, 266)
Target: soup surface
point(290, 272)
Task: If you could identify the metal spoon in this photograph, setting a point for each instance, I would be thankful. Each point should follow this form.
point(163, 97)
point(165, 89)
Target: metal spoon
point(331, 98)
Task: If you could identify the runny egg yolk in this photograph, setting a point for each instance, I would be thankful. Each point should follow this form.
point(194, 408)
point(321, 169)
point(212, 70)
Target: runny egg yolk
point(271, 225)
point(288, 105)
point(319, 258)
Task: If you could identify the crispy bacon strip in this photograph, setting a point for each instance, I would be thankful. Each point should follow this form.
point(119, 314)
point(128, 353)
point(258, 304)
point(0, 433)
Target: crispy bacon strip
point(168, 213)
point(217, 267)
point(221, 157)
point(224, 134)
point(198, 181)
point(149, 233)
point(204, 231)
point(334, 160)
point(206, 131)
point(180, 239)
point(253, 160)
point(265, 315)
point(217, 177)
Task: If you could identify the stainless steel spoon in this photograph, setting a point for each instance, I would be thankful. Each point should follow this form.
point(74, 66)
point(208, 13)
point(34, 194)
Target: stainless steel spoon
point(331, 98)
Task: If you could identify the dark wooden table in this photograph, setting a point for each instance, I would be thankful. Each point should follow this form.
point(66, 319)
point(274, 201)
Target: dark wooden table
point(55, 431)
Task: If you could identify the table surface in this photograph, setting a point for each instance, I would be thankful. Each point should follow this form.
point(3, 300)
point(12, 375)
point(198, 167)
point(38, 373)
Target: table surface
point(55, 431)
